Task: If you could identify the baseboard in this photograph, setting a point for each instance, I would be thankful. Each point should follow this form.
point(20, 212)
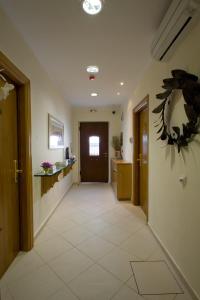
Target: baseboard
point(36, 233)
point(176, 267)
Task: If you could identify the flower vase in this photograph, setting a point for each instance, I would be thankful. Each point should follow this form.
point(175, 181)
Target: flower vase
point(117, 154)
point(46, 170)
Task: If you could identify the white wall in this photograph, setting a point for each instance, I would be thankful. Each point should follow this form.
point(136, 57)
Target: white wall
point(44, 99)
point(102, 115)
point(174, 210)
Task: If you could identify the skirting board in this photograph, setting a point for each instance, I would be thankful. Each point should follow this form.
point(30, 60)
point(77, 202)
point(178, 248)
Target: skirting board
point(179, 272)
point(51, 213)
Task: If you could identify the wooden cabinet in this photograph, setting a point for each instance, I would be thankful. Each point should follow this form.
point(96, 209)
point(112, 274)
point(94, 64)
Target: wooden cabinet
point(121, 178)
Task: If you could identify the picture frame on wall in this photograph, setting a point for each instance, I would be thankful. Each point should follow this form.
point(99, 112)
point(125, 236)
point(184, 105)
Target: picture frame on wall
point(56, 133)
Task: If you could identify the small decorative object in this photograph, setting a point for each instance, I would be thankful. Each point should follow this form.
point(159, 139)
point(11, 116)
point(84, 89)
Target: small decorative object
point(116, 145)
point(131, 140)
point(47, 166)
point(190, 87)
point(56, 133)
point(67, 153)
point(5, 90)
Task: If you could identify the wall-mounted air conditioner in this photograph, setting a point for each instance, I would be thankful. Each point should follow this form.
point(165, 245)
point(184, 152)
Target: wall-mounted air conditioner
point(179, 18)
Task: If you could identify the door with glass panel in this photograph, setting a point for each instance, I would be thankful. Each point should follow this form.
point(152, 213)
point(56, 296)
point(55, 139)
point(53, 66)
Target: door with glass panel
point(94, 151)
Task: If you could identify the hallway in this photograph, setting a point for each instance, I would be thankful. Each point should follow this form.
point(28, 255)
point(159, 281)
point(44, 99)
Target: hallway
point(85, 250)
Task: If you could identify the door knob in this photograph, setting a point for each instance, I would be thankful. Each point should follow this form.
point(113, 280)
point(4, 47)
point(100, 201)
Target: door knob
point(16, 171)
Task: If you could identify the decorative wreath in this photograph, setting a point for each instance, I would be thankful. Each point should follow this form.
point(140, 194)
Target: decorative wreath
point(188, 83)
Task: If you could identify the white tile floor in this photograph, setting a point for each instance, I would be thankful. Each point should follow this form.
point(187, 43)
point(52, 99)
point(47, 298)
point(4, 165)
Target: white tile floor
point(84, 252)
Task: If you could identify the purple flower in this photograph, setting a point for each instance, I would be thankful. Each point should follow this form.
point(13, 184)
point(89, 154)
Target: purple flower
point(46, 165)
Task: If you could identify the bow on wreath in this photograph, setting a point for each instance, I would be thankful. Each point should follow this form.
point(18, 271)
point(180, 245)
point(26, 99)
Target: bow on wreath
point(190, 87)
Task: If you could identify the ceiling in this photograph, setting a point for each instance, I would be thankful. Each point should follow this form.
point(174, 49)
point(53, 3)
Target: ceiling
point(66, 40)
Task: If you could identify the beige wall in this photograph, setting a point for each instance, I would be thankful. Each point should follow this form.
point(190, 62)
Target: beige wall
point(102, 115)
point(174, 210)
point(44, 99)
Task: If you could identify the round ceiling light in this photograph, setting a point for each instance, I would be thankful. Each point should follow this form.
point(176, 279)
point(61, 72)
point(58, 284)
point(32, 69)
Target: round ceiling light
point(94, 94)
point(93, 69)
point(92, 7)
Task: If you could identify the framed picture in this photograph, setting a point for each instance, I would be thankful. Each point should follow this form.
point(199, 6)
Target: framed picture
point(56, 133)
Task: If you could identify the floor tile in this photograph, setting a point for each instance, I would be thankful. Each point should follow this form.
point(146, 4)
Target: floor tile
point(125, 293)
point(97, 225)
point(95, 283)
point(61, 224)
point(28, 262)
point(80, 217)
point(155, 278)
point(95, 247)
point(52, 248)
point(76, 235)
point(38, 284)
point(142, 244)
point(70, 264)
point(63, 294)
point(185, 296)
point(5, 293)
point(112, 218)
point(114, 234)
point(118, 263)
point(45, 234)
point(131, 224)
point(132, 284)
point(158, 254)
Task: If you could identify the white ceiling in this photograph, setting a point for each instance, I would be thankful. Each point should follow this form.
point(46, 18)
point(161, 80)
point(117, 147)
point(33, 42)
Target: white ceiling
point(66, 40)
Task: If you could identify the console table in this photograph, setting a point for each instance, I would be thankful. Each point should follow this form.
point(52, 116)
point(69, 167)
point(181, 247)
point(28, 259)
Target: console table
point(48, 180)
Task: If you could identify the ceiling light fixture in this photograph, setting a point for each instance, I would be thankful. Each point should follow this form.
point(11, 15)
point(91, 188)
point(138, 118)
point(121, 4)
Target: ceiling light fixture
point(122, 83)
point(92, 69)
point(94, 94)
point(92, 7)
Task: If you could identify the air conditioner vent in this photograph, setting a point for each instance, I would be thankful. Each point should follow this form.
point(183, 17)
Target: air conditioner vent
point(179, 18)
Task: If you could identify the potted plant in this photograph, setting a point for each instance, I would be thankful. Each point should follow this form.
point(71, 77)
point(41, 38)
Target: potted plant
point(47, 166)
point(117, 146)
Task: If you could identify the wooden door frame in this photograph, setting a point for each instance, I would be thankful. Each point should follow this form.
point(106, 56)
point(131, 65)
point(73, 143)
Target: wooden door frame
point(24, 150)
point(144, 104)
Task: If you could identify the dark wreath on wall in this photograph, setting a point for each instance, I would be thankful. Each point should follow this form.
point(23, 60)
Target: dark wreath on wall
point(190, 87)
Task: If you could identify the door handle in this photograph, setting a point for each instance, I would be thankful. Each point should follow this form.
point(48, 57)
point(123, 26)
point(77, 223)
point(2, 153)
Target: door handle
point(140, 159)
point(16, 170)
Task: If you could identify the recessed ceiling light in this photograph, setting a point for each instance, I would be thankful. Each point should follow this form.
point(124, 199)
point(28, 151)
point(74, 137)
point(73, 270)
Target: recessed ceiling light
point(93, 69)
point(121, 83)
point(118, 94)
point(94, 94)
point(92, 7)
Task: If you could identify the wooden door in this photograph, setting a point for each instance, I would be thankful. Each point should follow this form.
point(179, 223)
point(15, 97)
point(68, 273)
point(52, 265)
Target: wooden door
point(140, 154)
point(143, 159)
point(9, 200)
point(94, 151)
